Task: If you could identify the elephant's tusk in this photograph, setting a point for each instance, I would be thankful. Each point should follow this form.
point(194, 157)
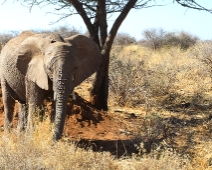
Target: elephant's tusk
point(73, 95)
point(55, 96)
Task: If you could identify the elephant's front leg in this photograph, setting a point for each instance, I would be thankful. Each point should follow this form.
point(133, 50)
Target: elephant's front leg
point(35, 98)
point(9, 104)
point(35, 114)
point(22, 115)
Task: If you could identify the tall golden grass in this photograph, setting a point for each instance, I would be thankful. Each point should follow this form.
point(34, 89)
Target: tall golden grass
point(162, 74)
point(37, 151)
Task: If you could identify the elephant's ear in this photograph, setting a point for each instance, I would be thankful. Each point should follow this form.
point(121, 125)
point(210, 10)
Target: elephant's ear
point(30, 63)
point(88, 57)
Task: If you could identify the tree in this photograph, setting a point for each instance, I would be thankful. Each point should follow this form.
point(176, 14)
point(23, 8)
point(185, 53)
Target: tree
point(159, 38)
point(124, 39)
point(155, 37)
point(94, 14)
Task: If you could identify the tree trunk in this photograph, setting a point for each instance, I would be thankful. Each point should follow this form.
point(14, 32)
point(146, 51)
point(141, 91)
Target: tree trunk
point(99, 92)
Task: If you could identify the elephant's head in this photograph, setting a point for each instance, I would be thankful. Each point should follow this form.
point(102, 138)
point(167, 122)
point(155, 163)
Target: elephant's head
point(66, 62)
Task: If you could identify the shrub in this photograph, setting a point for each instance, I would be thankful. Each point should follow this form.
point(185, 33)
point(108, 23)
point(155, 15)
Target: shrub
point(126, 85)
point(66, 31)
point(170, 77)
point(124, 39)
point(5, 37)
point(135, 82)
point(182, 39)
point(154, 38)
point(158, 38)
point(203, 52)
point(63, 31)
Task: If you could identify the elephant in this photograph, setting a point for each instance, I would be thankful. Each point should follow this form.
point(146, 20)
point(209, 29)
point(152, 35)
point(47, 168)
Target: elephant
point(36, 66)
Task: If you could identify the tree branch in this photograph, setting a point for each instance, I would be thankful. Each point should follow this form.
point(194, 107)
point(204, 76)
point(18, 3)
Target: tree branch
point(79, 8)
point(102, 15)
point(192, 4)
point(118, 22)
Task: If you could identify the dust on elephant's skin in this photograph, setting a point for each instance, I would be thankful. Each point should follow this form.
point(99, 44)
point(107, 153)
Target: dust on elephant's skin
point(34, 66)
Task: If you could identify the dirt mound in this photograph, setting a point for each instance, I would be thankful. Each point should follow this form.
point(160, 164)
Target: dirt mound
point(90, 127)
point(84, 121)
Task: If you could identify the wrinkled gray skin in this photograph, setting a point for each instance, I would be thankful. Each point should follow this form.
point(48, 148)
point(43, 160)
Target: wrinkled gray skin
point(36, 66)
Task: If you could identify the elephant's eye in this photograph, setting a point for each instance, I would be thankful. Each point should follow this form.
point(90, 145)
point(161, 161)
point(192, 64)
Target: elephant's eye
point(49, 69)
point(53, 41)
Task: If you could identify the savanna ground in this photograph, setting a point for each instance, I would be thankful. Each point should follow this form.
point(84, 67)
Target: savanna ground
point(159, 117)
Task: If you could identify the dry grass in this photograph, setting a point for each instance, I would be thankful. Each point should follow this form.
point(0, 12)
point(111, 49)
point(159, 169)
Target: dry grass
point(147, 80)
point(159, 75)
point(172, 79)
point(36, 151)
point(167, 161)
point(202, 156)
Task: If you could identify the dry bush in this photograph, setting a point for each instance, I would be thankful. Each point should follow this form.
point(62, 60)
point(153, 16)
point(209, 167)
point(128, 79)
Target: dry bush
point(64, 31)
point(128, 76)
point(166, 163)
point(159, 38)
point(153, 131)
point(154, 38)
point(124, 39)
point(174, 79)
point(67, 31)
point(137, 76)
point(5, 37)
point(126, 85)
point(153, 151)
point(201, 73)
point(166, 77)
point(203, 52)
point(157, 160)
point(182, 39)
point(202, 158)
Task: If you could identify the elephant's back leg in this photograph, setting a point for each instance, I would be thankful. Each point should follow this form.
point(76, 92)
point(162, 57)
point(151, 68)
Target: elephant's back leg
point(13, 76)
point(9, 104)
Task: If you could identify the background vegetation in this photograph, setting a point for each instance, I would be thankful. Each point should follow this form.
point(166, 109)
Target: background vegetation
point(165, 75)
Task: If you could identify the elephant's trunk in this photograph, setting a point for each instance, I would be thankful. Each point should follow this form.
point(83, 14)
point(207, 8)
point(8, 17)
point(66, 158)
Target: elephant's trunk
point(62, 88)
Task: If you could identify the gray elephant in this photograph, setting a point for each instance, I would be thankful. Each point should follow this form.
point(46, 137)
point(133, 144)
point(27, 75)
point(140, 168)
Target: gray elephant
point(35, 66)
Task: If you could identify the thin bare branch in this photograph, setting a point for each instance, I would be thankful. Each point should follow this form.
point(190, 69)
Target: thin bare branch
point(193, 4)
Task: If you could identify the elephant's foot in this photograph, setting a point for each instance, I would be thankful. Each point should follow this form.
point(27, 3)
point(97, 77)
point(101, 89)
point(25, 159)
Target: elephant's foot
point(7, 127)
point(21, 127)
point(56, 137)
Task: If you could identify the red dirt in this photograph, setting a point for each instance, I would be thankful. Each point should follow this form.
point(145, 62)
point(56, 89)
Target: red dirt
point(85, 123)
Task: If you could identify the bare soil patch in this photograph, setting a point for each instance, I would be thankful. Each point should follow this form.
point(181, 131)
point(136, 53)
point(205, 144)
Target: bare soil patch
point(89, 127)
